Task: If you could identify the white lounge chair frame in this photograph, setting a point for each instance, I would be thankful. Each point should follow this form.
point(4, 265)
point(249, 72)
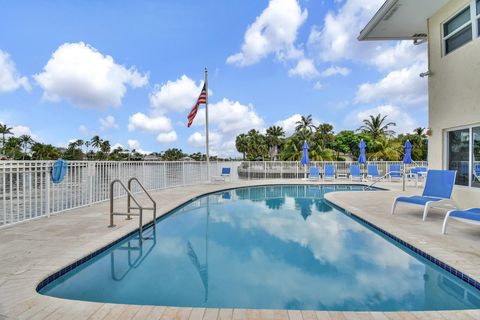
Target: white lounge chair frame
point(445, 221)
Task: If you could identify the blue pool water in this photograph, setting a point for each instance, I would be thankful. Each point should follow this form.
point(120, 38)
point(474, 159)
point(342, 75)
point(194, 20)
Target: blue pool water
point(269, 247)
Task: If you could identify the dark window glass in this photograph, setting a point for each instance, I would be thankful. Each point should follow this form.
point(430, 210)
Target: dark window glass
point(458, 157)
point(458, 39)
point(476, 157)
point(456, 22)
point(478, 7)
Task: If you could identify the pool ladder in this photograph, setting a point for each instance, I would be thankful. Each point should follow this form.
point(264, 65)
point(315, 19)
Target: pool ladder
point(131, 197)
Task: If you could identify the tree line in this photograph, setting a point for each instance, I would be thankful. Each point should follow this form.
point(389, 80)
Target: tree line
point(326, 145)
point(25, 147)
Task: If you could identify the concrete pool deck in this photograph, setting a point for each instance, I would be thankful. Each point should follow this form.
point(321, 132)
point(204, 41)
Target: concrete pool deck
point(33, 250)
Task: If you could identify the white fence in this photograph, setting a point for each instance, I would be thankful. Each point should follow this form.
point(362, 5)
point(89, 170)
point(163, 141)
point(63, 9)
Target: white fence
point(294, 170)
point(26, 190)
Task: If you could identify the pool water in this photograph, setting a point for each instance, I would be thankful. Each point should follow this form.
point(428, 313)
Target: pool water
point(268, 247)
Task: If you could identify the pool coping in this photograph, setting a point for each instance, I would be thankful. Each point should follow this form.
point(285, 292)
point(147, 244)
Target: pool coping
point(453, 271)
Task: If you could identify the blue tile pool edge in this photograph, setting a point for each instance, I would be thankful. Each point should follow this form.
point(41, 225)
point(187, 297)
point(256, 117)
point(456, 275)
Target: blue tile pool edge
point(460, 275)
point(465, 278)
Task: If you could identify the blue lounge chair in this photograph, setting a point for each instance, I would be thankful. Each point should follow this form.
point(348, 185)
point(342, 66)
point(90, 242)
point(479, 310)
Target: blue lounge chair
point(395, 172)
point(329, 173)
point(436, 194)
point(476, 172)
point(314, 173)
point(416, 174)
point(355, 173)
point(471, 215)
point(372, 172)
point(224, 175)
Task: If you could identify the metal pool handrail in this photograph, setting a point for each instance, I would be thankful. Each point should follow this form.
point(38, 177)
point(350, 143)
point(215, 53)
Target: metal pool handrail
point(154, 207)
point(112, 213)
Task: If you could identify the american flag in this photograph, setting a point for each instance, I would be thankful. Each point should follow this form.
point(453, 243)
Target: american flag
point(202, 99)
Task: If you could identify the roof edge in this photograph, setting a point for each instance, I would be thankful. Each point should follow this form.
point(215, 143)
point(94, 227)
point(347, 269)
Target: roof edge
point(381, 13)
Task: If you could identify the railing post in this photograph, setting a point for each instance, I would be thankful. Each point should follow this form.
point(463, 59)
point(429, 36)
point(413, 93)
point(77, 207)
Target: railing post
point(183, 173)
point(265, 169)
point(47, 188)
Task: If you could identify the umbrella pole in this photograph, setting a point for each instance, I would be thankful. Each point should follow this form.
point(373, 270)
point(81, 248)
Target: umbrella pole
point(404, 172)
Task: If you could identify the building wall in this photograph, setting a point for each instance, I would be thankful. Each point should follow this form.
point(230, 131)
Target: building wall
point(454, 93)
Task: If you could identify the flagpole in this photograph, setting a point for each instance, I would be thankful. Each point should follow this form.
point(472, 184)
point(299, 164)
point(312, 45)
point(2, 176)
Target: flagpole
point(206, 126)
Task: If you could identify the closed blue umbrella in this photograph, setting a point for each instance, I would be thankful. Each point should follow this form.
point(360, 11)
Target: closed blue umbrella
point(305, 160)
point(408, 152)
point(362, 158)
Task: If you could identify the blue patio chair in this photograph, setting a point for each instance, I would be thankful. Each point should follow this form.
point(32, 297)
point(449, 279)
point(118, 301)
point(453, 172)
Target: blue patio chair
point(476, 172)
point(416, 174)
point(355, 173)
point(314, 173)
point(471, 216)
point(436, 194)
point(224, 175)
point(395, 172)
point(372, 172)
point(329, 172)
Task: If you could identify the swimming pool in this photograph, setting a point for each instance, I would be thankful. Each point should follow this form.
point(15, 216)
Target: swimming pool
point(267, 247)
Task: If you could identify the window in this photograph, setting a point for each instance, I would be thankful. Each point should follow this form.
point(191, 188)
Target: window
point(461, 28)
point(478, 17)
point(476, 157)
point(463, 155)
point(458, 154)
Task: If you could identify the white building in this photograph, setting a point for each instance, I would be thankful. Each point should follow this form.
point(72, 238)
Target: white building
point(452, 31)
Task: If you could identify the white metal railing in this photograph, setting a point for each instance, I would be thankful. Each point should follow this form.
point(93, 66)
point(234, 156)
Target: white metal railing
point(295, 170)
point(26, 190)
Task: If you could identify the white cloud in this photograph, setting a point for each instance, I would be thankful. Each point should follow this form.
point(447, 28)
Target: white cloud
point(230, 117)
point(290, 123)
point(317, 86)
point(84, 130)
point(166, 138)
point(402, 55)
point(337, 39)
point(273, 32)
point(197, 139)
point(334, 70)
point(178, 95)
point(305, 69)
point(133, 144)
point(142, 122)
point(227, 119)
point(10, 79)
point(108, 122)
point(400, 86)
point(405, 123)
point(78, 73)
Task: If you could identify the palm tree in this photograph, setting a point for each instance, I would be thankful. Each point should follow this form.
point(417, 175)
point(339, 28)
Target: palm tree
point(4, 130)
point(420, 132)
point(305, 123)
point(275, 136)
point(105, 147)
point(96, 142)
point(377, 127)
point(25, 141)
point(387, 150)
point(324, 134)
point(241, 143)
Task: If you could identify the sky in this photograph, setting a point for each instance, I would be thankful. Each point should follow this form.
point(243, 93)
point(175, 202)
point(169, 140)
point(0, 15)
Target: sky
point(130, 71)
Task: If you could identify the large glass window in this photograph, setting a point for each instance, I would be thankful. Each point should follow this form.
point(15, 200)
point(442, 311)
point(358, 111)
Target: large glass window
point(458, 30)
point(476, 156)
point(478, 17)
point(458, 154)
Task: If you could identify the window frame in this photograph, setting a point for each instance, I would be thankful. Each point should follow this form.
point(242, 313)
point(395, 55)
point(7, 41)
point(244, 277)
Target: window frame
point(474, 22)
point(470, 153)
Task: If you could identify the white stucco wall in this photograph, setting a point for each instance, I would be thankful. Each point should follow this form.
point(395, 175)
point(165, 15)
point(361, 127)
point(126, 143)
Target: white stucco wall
point(454, 93)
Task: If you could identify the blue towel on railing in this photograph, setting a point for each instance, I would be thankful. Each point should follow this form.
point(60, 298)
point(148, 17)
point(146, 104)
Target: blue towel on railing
point(59, 170)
